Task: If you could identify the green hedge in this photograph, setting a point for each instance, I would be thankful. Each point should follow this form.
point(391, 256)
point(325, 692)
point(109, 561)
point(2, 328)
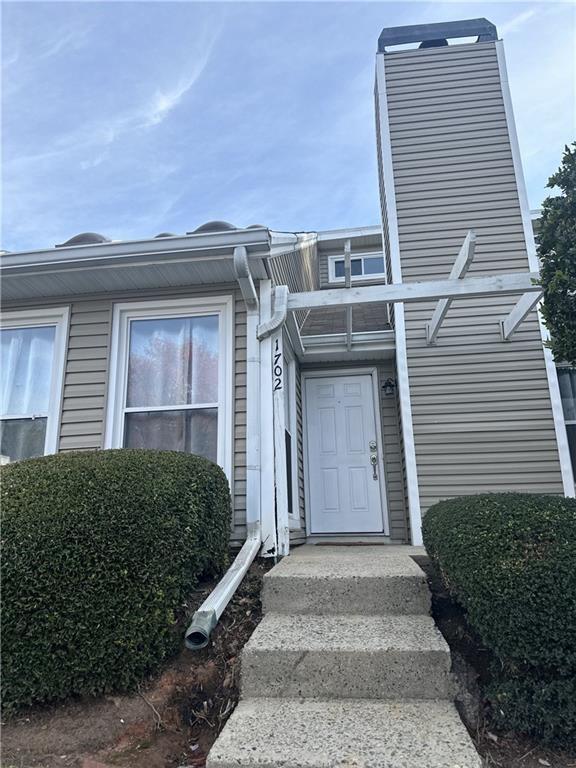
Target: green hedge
point(510, 561)
point(99, 551)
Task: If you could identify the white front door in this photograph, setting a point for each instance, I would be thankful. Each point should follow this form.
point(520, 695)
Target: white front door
point(344, 486)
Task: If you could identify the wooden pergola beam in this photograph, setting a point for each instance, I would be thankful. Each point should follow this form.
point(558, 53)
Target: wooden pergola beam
point(492, 285)
point(520, 311)
point(459, 269)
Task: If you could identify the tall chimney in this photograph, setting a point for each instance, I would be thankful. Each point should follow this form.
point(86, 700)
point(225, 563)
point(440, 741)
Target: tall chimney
point(477, 412)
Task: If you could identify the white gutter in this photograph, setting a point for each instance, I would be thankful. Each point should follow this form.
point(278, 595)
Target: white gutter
point(338, 234)
point(210, 244)
point(206, 617)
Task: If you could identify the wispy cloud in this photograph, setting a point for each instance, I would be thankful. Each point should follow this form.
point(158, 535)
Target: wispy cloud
point(102, 168)
point(73, 37)
point(515, 22)
point(147, 126)
point(164, 101)
point(107, 130)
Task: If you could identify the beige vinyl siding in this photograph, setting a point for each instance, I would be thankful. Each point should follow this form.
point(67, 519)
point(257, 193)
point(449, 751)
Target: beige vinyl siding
point(481, 407)
point(86, 378)
point(323, 273)
point(393, 458)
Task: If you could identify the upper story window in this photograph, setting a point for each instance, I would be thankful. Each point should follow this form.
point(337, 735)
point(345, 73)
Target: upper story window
point(32, 362)
point(171, 377)
point(363, 266)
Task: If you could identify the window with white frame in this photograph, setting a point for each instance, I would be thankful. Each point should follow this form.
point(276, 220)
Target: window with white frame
point(363, 266)
point(32, 363)
point(567, 384)
point(170, 379)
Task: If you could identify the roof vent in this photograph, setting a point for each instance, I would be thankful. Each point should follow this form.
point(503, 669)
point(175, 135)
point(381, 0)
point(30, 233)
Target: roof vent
point(213, 226)
point(85, 238)
point(256, 226)
point(164, 234)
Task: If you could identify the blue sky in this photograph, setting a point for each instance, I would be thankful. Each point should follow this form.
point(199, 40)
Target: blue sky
point(135, 118)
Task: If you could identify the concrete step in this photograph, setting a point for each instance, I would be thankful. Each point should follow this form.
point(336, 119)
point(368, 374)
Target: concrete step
point(289, 733)
point(342, 582)
point(372, 657)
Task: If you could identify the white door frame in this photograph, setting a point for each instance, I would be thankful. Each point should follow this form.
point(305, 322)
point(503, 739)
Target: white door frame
point(331, 372)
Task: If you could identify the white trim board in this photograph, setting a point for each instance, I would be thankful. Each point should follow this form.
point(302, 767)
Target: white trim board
point(413, 493)
point(326, 373)
point(555, 400)
point(59, 317)
point(123, 313)
point(267, 491)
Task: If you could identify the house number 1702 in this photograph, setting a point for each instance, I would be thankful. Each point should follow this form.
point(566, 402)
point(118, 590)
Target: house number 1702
point(277, 369)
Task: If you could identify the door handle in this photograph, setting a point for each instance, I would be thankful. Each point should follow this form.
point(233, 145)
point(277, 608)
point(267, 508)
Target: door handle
point(374, 462)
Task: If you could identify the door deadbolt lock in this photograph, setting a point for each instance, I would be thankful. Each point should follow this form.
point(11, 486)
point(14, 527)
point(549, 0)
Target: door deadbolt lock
point(372, 445)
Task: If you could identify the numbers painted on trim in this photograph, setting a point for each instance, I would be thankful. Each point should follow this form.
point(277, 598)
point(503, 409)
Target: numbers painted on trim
point(277, 369)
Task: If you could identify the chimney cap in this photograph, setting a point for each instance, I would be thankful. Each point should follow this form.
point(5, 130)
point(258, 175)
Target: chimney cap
point(424, 33)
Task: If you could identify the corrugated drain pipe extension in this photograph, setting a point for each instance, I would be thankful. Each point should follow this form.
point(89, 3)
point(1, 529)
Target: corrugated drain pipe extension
point(206, 617)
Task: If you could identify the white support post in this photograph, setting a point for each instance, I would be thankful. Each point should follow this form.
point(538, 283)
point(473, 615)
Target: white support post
point(267, 511)
point(348, 284)
point(518, 313)
point(461, 265)
point(281, 480)
point(390, 223)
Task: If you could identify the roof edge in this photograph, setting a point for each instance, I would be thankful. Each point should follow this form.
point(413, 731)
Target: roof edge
point(256, 240)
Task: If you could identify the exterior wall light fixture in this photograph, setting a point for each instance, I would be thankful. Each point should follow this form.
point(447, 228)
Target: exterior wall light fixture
point(389, 386)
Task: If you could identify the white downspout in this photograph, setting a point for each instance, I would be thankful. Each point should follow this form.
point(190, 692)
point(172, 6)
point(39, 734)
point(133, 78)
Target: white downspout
point(206, 617)
point(278, 318)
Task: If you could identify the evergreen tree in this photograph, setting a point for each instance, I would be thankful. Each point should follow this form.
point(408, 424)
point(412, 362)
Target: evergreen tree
point(557, 252)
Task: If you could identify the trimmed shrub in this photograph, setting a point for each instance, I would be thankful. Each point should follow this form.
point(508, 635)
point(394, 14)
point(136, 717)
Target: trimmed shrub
point(99, 552)
point(531, 703)
point(510, 560)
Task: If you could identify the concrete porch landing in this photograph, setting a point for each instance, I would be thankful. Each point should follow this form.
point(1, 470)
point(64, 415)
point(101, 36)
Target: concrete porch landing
point(346, 669)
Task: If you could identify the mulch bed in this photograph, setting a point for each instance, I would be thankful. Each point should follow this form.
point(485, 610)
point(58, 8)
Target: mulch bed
point(471, 662)
point(172, 720)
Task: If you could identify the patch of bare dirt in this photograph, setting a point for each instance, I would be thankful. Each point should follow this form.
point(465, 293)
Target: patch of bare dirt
point(471, 665)
point(172, 720)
